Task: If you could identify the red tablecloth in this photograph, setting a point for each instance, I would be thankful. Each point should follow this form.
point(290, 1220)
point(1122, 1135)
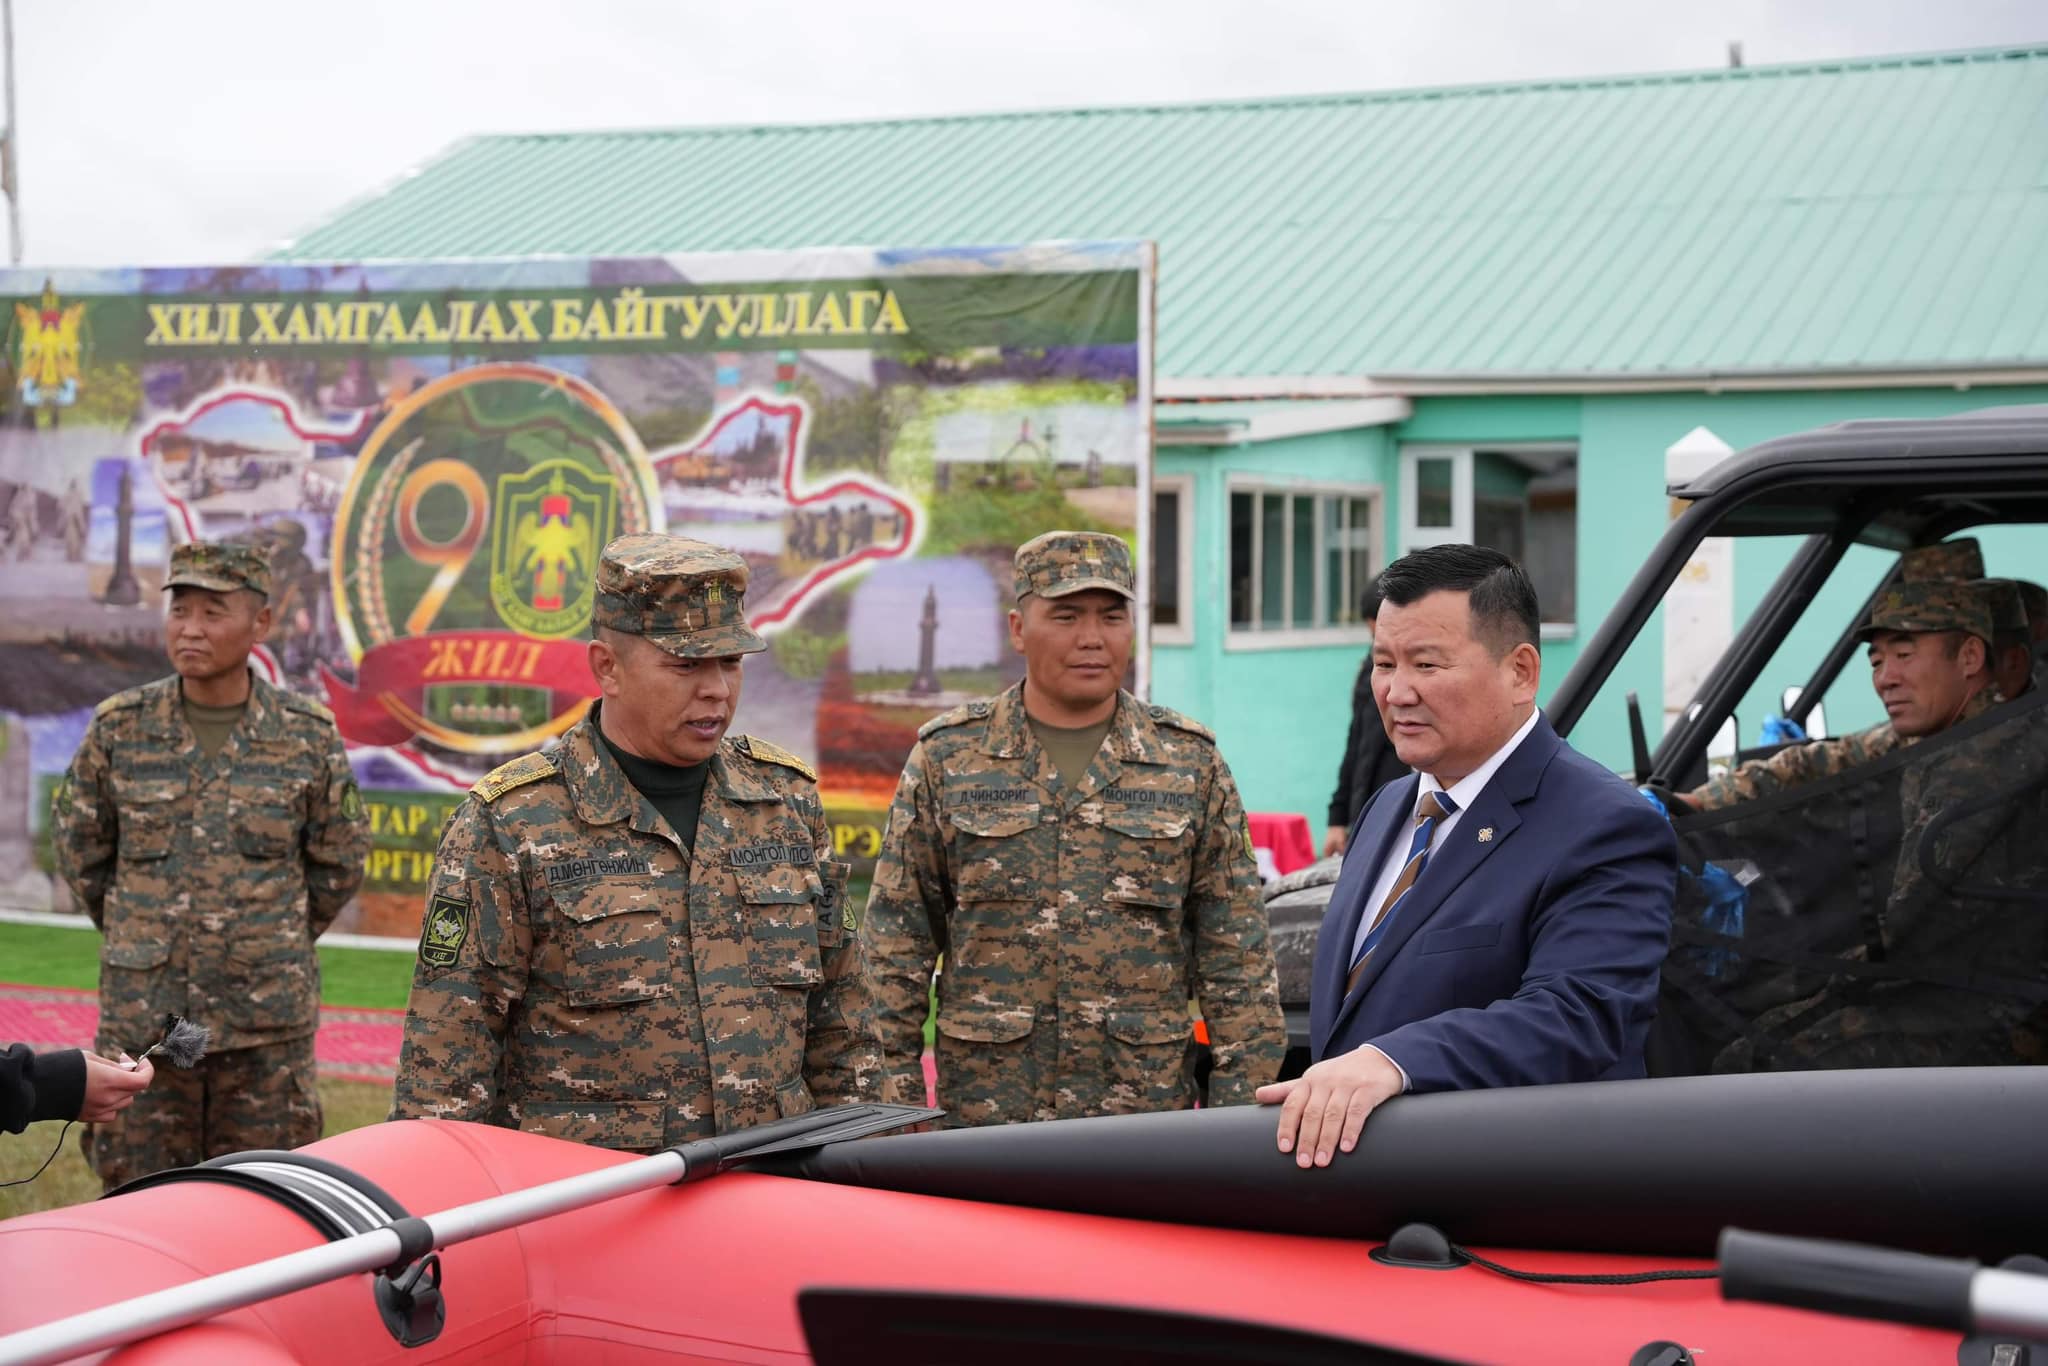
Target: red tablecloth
point(1286, 835)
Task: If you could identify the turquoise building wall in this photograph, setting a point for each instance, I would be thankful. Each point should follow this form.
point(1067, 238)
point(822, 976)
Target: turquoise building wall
point(1281, 714)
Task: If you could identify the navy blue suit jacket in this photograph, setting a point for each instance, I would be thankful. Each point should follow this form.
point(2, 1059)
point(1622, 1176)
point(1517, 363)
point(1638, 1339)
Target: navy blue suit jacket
point(1522, 956)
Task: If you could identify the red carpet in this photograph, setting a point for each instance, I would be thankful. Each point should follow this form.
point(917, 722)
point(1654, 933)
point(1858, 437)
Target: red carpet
point(352, 1045)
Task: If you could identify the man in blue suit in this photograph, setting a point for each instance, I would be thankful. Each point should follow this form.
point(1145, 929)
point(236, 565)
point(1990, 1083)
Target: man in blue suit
point(1501, 914)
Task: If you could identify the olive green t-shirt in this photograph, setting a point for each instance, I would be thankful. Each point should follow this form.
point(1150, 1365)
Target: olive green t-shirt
point(676, 792)
point(213, 724)
point(1071, 749)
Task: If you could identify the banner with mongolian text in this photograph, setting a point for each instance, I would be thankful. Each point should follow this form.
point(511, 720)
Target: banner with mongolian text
point(434, 453)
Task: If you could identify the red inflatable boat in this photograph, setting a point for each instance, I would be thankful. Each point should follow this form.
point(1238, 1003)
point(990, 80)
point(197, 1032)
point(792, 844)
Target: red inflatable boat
point(1180, 1237)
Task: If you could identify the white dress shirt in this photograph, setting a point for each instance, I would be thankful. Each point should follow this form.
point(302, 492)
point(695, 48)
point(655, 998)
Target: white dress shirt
point(1464, 792)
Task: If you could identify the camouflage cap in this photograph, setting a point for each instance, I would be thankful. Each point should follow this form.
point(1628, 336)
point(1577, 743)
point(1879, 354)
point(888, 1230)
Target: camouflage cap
point(222, 566)
point(2008, 610)
point(1962, 559)
point(2035, 598)
point(1063, 562)
point(1930, 605)
point(683, 595)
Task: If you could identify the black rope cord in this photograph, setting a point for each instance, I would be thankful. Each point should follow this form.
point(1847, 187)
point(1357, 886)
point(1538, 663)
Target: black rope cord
point(55, 1148)
point(1551, 1278)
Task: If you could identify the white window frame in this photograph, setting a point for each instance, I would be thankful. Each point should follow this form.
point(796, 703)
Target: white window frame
point(1414, 537)
point(1182, 487)
point(1236, 637)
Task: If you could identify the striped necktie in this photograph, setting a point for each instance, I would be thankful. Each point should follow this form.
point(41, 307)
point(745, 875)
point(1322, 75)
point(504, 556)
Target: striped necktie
point(1433, 807)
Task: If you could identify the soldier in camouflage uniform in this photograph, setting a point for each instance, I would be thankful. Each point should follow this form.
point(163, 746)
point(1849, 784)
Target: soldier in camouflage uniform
point(1965, 944)
point(1949, 562)
point(1082, 862)
point(2012, 643)
point(210, 827)
point(640, 937)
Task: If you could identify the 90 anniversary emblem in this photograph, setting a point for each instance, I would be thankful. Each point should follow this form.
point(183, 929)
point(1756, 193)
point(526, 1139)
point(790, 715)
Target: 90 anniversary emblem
point(464, 552)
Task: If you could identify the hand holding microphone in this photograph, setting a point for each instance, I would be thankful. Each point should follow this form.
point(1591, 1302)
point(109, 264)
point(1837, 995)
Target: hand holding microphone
point(111, 1085)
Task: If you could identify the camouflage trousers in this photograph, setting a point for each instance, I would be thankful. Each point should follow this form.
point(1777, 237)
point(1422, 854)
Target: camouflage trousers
point(262, 1097)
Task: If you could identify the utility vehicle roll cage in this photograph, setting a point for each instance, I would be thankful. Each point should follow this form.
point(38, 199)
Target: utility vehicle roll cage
point(1891, 484)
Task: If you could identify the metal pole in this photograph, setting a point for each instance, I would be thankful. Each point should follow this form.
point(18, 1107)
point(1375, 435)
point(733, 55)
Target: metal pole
point(13, 140)
point(158, 1312)
point(2009, 1303)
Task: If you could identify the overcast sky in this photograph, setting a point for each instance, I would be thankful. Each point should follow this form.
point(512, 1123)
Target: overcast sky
point(192, 131)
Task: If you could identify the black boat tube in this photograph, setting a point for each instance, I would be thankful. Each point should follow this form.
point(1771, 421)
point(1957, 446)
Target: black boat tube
point(1939, 1160)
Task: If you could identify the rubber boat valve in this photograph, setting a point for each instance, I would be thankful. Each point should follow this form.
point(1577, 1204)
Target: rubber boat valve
point(1422, 1246)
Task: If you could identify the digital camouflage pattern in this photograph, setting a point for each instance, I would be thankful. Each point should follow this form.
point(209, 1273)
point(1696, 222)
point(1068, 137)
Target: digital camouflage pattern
point(2008, 609)
point(580, 975)
point(1797, 765)
point(1063, 562)
point(222, 566)
point(686, 596)
point(1959, 559)
point(2034, 598)
point(1963, 933)
point(210, 878)
point(262, 1097)
point(1930, 605)
point(1075, 921)
point(1793, 766)
point(1923, 604)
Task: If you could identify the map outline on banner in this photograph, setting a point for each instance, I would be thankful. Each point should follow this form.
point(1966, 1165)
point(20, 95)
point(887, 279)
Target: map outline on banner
point(872, 430)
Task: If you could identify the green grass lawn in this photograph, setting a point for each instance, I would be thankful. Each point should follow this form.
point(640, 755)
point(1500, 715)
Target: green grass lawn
point(47, 956)
point(347, 1105)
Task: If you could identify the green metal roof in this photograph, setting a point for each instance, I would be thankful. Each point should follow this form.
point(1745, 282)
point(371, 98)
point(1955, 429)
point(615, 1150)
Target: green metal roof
point(1889, 214)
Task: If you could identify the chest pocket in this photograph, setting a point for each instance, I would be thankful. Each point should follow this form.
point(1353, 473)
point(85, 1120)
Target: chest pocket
point(264, 824)
point(992, 856)
point(782, 909)
point(1147, 858)
point(149, 818)
point(615, 946)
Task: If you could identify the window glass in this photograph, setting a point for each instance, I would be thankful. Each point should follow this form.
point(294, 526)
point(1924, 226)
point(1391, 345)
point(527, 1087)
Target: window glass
point(1433, 492)
point(1337, 600)
point(1272, 561)
point(1358, 553)
point(1241, 510)
point(1298, 561)
point(1166, 557)
point(1304, 521)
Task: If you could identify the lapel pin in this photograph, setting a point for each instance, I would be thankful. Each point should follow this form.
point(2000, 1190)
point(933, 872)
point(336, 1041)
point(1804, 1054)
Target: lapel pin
point(1486, 834)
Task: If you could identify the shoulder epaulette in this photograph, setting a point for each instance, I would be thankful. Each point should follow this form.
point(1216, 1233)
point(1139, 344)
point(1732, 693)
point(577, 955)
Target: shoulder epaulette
point(309, 706)
point(527, 768)
point(1167, 716)
point(121, 701)
point(959, 716)
point(776, 754)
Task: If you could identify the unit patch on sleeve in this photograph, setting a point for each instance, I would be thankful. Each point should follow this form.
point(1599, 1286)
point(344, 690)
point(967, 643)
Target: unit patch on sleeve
point(446, 928)
point(351, 802)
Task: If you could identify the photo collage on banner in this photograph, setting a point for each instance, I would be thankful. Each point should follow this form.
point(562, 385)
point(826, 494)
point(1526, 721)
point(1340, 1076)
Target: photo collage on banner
point(433, 454)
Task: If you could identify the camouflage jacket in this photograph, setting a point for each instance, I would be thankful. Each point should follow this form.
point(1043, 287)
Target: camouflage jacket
point(1962, 933)
point(582, 976)
point(1076, 921)
point(1797, 765)
point(210, 876)
point(1793, 766)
